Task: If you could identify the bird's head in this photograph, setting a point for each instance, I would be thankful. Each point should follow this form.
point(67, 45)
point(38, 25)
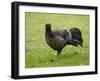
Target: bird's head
point(48, 26)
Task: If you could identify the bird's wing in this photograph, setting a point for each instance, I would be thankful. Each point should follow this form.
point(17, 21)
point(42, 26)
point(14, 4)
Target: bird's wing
point(59, 40)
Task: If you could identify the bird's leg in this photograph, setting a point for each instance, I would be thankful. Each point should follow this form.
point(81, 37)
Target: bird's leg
point(58, 52)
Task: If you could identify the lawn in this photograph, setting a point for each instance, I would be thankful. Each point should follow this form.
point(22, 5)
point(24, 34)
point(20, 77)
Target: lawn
point(39, 54)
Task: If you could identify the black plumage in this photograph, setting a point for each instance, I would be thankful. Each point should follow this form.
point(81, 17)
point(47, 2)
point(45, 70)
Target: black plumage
point(76, 37)
point(58, 39)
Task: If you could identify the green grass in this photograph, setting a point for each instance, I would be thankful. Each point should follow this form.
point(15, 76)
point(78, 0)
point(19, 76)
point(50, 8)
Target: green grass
point(39, 54)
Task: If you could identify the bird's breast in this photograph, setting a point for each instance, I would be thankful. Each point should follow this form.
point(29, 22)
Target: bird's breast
point(54, 42)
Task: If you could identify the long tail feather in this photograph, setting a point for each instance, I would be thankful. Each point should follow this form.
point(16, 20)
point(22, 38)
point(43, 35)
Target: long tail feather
point(76, 36)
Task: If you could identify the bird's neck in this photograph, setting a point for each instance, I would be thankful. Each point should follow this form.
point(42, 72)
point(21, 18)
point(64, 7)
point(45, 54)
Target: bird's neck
point(49, 33)
point(48, 30)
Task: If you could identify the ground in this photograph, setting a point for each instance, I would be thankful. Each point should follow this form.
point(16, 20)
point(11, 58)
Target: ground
point(39, 54)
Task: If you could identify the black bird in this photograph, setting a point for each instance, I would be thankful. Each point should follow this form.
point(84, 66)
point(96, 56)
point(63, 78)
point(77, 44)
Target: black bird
point(58, 39)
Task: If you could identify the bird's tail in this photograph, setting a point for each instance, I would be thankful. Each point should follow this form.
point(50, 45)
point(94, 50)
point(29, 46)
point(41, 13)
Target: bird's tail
point(76, 37)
